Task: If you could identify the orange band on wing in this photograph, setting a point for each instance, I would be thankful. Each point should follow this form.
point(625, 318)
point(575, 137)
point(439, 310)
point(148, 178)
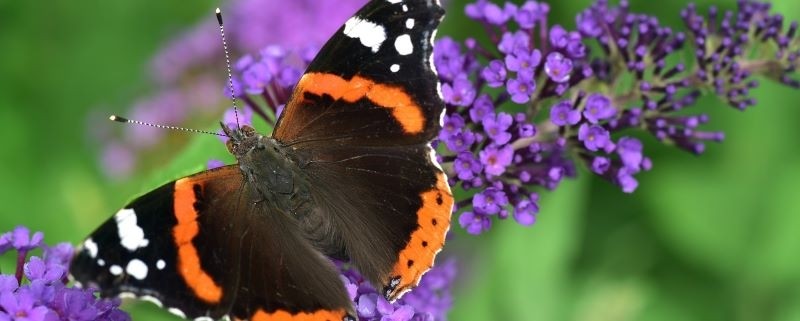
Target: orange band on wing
point(187, 228)
point(433, 220)
point(394, 98)
point(321, 315)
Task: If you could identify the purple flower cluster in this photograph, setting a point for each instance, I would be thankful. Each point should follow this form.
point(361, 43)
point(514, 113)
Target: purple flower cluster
point(264, 83)
point(429, 301)
point(502, 143)
point(38, 290)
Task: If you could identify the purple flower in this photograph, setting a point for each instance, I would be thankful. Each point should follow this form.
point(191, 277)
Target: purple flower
point(525, 212)
point(430, 300)
point(495, 15)
point(492, 13)
point(496, 160)
point(482, 108)
point(497, 128)
point(524, 62)
point(521, 88)
point(75, 304)
point(559, 37)
point(460, 93)
point(598, 107)
point(513, 42)
point(530, 13)
point(475, 10)
point(244, 116)
point(589, 24)
point(494, 73)
point(368, 305)
point(600, 165)
point(527, 130)
point(42, 295)
point(8, 283)
point(402, 313)
point(474, 223)
point(558, 67)
point(5, 242)
point(466, 166)
point(59, 254)
point(38, 269)
point(448, 58)
point(453, 124)
point(490, 201)
point(460, 141)
point(562, 114)
point(626, 180)
point(630, 151)
point(593, 137)
point(256, 77)
point(22, 240)
point(575, 47)
point(20, 306)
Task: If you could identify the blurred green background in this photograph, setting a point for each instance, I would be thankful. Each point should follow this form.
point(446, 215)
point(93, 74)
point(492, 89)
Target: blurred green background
point(715, 237)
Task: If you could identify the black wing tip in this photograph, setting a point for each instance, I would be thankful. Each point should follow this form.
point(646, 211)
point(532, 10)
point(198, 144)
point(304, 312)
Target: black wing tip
point(117, 119)
point(219, 16)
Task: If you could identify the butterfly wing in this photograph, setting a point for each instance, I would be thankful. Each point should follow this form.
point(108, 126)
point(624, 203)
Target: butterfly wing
point(207, 246)
point(360, 123)
point(373, 83)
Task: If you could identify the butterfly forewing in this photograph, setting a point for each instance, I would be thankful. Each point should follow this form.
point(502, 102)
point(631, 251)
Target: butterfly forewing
point(361, 121)
point(372, 83)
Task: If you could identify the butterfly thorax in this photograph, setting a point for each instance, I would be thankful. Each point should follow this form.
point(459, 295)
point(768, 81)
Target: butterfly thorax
point(267, 166)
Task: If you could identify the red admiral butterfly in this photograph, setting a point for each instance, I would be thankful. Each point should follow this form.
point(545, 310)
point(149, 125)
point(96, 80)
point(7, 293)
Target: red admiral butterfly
point(349, 173)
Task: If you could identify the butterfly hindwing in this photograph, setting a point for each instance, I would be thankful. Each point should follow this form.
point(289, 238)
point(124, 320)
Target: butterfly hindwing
point(203, 246)
point(392, 209)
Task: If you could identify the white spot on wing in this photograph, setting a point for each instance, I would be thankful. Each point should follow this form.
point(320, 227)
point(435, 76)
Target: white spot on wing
point(90, 247)
point(394, 68)
point(403, 45)
point(394, 1)
point(161, 264)
point(115, 269)
point(130, 234)
point(409, 23)
point(370, 34)
point(126, 295)
point(137, 269)
point(433, 68)
point(101, 262)
point(203, 319)
point(405, 8)
point(432, 155)
point(177, 312)
point(151, 299)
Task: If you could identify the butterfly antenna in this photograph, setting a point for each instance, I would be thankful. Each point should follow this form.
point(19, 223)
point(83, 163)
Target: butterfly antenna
point(228, 65)
point(131, 121)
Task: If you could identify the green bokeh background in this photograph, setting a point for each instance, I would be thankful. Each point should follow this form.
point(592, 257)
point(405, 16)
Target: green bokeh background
point(715, 237)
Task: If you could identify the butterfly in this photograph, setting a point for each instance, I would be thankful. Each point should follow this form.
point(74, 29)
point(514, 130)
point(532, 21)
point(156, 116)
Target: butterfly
point(348, 173)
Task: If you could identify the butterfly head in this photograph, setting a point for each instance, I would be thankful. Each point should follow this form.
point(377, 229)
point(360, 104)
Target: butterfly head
point(241, 139)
